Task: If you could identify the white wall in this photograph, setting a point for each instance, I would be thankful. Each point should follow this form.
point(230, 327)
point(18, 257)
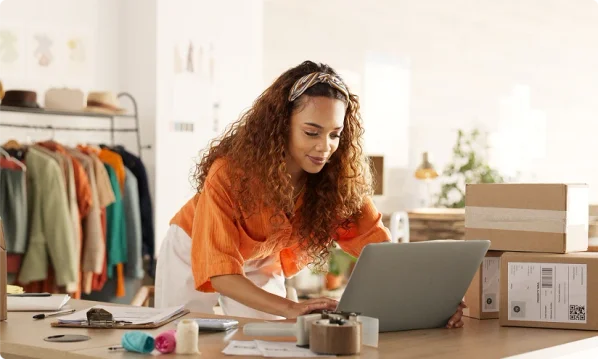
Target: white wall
point(233, 30)
point(466, 60)
point(136, 53)
point(61, 20)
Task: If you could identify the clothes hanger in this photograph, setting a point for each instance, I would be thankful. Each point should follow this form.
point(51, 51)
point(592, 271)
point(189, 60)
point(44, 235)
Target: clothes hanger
point(4, 153)
point(51, 140)
point(11, 159)
point(12, 145)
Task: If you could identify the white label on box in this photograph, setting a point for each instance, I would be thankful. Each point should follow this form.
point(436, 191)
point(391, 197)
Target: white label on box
point(548, 292)
point(490, 284)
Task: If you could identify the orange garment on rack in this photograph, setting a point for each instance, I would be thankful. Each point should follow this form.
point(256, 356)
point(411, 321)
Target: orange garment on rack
point(116, 161)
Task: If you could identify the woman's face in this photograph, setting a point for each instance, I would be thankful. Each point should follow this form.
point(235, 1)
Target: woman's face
point(316, 127)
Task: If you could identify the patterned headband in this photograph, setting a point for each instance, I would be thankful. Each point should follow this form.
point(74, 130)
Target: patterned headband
point(308, 81)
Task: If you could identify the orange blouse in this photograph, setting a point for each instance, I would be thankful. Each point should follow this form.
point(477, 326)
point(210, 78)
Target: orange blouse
point(221, 245)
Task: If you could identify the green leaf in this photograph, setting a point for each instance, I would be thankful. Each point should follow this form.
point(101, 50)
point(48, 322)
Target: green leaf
point(468, 165)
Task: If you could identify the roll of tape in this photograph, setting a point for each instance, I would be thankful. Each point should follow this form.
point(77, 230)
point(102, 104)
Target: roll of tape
point(335, 336)
point(187, 337)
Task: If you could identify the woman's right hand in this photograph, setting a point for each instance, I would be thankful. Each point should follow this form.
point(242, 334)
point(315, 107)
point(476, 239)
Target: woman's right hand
point(305, 307)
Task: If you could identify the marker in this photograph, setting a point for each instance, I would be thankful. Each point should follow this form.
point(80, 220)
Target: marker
point(46, 315)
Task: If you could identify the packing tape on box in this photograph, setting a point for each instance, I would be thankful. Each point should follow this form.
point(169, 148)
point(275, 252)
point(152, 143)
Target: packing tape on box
point(516, 219)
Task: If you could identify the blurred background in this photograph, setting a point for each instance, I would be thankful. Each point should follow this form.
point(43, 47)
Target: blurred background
point(452, 91)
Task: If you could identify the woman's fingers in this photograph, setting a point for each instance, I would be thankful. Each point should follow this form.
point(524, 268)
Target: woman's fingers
point(456, 320)
point(320, 304)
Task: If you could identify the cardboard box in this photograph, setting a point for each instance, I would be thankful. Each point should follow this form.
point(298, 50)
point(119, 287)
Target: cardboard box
point(550, 218)
point(549, 290)
point(483, 295)
point(3, 275)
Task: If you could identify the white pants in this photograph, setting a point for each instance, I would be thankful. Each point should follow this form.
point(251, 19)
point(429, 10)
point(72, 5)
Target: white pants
point(175, 285)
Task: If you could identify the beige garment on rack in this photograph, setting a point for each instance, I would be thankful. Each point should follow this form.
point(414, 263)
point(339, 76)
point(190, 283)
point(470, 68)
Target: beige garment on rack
point(105, 192)
point(71, 193)
point(94, 247)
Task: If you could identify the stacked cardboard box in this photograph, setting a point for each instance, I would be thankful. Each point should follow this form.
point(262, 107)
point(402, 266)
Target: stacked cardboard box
point(548, 290)
point(482, 297)
point(537, 231)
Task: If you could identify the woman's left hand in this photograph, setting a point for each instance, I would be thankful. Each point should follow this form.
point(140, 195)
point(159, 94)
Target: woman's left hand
point(456, 320)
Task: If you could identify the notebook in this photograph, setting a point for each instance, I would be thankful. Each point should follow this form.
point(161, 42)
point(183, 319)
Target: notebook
point(37, 303)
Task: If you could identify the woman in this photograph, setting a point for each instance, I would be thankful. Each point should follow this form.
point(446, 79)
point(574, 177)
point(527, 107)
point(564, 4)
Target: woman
point(284, 182)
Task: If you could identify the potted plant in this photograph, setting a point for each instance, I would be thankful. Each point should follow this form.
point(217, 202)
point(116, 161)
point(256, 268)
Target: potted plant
point(334, 278)
point(468, 165)
point(340, 265)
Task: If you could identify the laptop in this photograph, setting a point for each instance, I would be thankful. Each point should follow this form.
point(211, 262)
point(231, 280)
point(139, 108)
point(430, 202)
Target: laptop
point(416, 285)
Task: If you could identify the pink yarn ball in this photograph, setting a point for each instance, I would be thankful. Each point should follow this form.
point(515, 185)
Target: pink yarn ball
point(166, 342)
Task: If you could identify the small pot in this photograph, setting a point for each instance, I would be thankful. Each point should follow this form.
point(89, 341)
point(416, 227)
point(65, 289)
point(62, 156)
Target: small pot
point(333, 281)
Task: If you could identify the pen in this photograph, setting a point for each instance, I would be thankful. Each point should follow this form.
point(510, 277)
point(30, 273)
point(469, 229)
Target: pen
point(30, 295)
point(42, 316)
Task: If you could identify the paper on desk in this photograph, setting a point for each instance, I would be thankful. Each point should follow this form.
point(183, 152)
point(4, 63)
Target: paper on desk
point(24, 304)
point(270, 349)
point(239, 347)
point(134, 315)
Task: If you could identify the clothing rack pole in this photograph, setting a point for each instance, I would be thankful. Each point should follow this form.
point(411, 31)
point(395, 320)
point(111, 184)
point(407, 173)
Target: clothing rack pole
point(136, 114)
point(66, 128)
point(112, 130)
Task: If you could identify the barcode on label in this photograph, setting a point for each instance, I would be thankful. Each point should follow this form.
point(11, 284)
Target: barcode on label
point(577, 312)
point(546, 278)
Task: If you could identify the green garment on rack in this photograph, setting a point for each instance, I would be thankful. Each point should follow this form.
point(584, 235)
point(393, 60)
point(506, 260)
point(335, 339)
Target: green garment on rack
point(116, 227)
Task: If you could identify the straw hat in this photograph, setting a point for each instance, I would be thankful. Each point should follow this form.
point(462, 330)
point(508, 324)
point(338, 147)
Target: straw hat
point(103, 102)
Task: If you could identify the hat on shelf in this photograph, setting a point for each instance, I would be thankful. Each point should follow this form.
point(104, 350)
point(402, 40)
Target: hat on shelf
point(64, 99)
point(20, 98)
point(103, 102)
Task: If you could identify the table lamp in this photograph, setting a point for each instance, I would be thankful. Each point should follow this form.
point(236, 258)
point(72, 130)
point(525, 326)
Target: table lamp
point(425, 171)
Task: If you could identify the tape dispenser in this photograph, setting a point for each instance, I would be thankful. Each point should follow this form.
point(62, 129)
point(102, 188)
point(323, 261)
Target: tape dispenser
point(322, 332)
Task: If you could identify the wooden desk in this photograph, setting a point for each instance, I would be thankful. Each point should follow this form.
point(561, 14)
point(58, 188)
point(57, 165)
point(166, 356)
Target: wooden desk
point(22, 337)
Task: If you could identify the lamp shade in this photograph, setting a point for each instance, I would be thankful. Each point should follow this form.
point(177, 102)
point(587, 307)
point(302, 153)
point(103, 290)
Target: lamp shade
point(425, 170)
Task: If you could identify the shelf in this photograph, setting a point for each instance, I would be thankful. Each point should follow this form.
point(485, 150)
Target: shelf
point(111, 117)
point(41, 111)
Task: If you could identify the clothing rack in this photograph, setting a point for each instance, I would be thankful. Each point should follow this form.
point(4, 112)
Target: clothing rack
point(111, 117)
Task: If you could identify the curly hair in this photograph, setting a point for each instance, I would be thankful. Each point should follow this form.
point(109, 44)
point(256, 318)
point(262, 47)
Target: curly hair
point(255, 146)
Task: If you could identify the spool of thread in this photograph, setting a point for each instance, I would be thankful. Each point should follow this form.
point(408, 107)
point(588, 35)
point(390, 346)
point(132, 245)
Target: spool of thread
point(335, 337)
point(138, 342)
point(166, 341)
point(187, 337)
